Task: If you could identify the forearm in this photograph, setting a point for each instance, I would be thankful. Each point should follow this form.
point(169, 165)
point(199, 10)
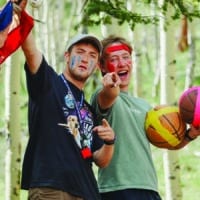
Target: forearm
point(190, 135)
point(107, 97)
point(111, 89)
point(32, 54)
point(102, 157)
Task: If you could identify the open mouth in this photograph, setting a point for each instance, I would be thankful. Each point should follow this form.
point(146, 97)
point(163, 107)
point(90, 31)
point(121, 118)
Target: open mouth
point(123, 74)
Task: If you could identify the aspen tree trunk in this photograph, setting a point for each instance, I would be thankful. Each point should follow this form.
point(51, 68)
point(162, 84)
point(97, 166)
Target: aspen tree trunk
point(167, 63)
point(110, 29)
point(134, 37)
point(41, 28)
point(57, 34)
point(13, 154)
point(7, 118)
point(131, 37)
point(192, 57)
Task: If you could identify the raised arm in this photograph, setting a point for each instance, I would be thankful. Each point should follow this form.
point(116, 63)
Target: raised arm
point(32, 54)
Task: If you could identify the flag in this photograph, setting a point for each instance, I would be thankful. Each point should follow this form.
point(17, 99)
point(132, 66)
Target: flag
point(6, 15)
point(16, 36)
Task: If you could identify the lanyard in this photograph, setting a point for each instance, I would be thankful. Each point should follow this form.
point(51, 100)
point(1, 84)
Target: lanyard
point(76, 104)
point(85, 150)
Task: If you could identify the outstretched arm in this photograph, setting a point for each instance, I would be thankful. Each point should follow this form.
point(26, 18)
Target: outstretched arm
point(191, 134)
point(110, 90)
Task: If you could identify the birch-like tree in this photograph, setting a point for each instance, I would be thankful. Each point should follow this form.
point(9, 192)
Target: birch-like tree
point(167, 96)
point(13, 153)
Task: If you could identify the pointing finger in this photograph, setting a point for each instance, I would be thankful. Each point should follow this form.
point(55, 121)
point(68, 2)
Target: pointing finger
point(105, 123)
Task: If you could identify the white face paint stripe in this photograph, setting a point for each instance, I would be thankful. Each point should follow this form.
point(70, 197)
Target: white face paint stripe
point(75, 60)
point(72, 62)
point(91, 65)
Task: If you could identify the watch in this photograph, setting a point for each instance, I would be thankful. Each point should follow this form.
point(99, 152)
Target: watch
point(187, 136)
point(110, 142)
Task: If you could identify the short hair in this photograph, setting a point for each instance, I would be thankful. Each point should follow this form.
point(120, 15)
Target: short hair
point(110, 40)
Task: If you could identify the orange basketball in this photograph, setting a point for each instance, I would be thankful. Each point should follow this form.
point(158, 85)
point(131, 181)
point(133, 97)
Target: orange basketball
point(164, 126)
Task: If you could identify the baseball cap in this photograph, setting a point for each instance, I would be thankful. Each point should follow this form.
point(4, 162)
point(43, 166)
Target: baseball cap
point(84, 37)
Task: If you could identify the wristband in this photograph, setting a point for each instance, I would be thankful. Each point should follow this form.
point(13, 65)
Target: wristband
point(110, 142)
point(187, 136)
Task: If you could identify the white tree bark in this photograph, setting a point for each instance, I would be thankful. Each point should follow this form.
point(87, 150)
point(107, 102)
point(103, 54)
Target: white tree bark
point(7, 117)
point(167, 63)
point(13, 156)
point(192, 56)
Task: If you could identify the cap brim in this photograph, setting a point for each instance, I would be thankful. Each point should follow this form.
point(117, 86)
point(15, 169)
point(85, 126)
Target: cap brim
point(80, 37)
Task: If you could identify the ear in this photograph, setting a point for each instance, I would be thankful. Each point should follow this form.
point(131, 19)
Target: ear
point(102, 68)
point(66, 55)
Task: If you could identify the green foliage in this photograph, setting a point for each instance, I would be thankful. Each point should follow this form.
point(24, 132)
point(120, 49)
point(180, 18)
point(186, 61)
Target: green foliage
point(99, 11)
point(188, 8)
point(116, 9)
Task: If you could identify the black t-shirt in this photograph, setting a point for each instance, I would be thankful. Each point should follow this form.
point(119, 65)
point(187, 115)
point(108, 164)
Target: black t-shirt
point(53, 157)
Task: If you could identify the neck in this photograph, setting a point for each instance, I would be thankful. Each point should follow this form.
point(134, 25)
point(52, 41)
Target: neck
point(124, 89)
point(78, 83)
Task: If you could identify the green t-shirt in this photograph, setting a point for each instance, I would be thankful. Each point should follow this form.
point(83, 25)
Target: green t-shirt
point(132, 165)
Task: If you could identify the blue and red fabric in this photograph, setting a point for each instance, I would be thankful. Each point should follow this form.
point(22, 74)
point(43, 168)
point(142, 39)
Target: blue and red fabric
point(6, 15)
point(16, 36)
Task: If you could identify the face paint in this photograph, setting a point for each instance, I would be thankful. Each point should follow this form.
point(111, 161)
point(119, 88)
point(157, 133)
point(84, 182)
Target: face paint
point(79, 59)
point(74, 61)
point(110, 49)
point(91, 65)
point(110, 66)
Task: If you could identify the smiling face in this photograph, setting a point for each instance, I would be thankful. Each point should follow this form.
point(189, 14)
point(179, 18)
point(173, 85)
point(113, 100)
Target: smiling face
point(118, 59)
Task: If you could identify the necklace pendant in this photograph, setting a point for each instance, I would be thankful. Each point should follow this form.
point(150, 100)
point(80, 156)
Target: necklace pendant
point(69, 101)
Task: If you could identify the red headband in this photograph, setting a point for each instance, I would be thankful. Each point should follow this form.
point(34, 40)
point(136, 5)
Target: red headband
point(117, 48)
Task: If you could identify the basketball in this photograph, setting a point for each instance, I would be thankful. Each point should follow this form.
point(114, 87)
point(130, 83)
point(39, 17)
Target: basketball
point(189, 106)
point(164, 126)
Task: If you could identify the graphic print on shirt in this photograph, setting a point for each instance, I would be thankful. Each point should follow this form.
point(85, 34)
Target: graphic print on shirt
point(81, 128)
point(69, 101)
point(73, 126)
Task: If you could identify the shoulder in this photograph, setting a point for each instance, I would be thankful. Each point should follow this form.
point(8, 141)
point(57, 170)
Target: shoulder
point(130, 99)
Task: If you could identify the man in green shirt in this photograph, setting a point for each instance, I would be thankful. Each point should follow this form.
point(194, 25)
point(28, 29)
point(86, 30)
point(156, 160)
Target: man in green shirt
point(131, 173)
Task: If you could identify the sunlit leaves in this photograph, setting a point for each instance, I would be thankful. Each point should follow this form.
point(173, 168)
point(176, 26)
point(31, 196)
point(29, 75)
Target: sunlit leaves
point(102, 11)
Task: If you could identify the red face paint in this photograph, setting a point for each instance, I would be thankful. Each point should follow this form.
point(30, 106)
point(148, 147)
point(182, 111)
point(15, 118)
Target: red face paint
point(113, 48)
point(110, 66)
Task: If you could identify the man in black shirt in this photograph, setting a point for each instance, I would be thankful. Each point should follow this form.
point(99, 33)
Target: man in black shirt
point(64, 137)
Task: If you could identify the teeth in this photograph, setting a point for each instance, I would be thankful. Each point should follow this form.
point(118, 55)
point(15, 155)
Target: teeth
point(122, 72)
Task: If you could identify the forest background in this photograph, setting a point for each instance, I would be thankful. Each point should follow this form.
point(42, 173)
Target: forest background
point(139, 21)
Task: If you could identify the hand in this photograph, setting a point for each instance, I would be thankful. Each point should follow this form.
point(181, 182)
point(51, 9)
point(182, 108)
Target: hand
point(4, 35)
point(19, 5)
point(194, 131)
point(111, 80)
point(104, 131)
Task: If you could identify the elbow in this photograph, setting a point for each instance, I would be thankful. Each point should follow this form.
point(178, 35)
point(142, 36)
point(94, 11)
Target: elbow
point(103, 163)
